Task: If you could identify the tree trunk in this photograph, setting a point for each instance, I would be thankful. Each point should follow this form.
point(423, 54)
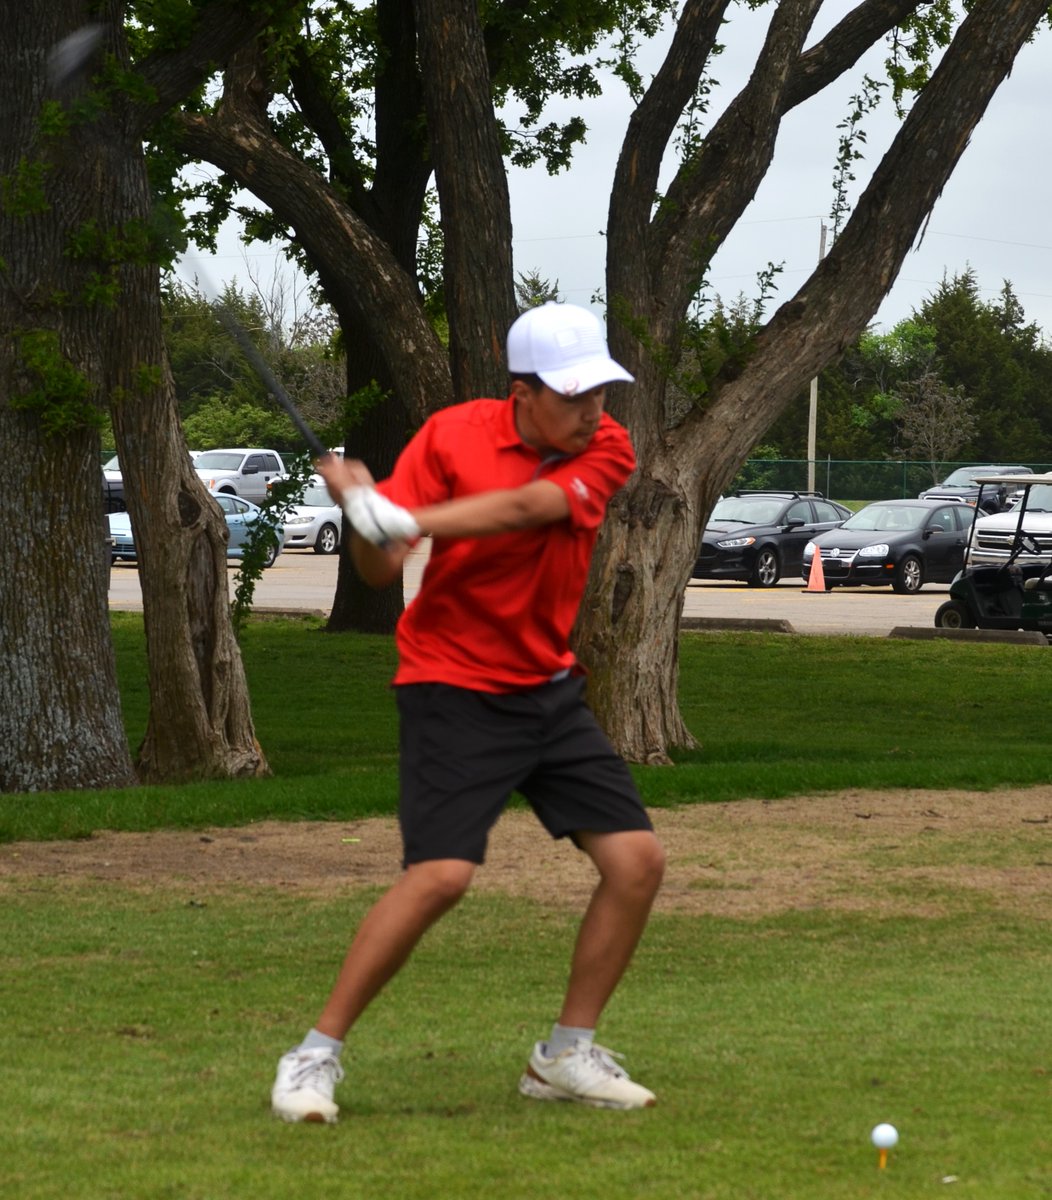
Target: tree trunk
point(627, 633)
point(60, 716)
point(77, 251)
point(200, 723)
point(473, 191)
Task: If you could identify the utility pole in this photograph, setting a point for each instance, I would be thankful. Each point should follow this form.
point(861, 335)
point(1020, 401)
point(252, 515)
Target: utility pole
point(812, 412)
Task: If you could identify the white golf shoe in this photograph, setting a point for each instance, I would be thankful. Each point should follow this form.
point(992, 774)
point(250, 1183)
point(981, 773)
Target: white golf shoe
point(585, 1073)
point(304, 1086)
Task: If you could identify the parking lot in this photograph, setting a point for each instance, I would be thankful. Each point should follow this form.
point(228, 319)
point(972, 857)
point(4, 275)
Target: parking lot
point(303, 580)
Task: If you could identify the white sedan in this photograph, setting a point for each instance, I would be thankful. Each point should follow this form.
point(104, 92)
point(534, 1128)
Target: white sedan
point(315, 523)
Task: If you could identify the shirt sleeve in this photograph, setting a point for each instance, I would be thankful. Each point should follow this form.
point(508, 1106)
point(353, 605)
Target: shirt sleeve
point(592, 478)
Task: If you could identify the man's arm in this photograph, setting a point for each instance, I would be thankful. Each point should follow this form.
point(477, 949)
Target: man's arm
point(483, 515)
point(534, 504)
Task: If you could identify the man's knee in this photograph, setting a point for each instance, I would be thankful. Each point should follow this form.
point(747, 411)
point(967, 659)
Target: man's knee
point(634, 860)
point(440, 882)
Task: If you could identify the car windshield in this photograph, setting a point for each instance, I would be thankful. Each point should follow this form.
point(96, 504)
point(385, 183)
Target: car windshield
point(887, 517)
point(966, 476)
point(217, 460)
point(751, 510)
point(317, 496)
point(1040, 498)
point(111, 464)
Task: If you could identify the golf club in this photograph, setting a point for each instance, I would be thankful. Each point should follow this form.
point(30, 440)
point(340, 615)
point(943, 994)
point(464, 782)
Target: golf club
point(263, 372)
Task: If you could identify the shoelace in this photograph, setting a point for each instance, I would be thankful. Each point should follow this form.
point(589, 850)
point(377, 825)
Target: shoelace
point(605, 1058)
point(307, 1070)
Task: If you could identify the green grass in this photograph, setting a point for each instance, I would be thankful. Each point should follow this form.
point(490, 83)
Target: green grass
point(141, 1026)
point(776, 715)
point(140, 1035)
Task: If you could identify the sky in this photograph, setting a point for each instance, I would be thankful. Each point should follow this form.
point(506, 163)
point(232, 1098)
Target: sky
point(993, 215)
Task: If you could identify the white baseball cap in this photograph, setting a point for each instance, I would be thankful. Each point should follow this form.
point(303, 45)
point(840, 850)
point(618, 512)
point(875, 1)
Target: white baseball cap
point(564, 345)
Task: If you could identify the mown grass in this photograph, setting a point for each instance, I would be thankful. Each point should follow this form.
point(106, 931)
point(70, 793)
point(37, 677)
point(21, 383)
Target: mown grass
point(141, 1026)
point(141, 1031)
point(776, 716)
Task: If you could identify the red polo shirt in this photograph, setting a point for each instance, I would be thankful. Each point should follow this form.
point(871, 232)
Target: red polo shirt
point(494, 614)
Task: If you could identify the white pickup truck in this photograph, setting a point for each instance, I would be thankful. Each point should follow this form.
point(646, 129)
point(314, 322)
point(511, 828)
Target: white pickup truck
point(240, 472)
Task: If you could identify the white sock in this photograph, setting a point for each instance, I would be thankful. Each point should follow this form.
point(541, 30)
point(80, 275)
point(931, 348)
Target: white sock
point(564, 1036)
point(321, 1041)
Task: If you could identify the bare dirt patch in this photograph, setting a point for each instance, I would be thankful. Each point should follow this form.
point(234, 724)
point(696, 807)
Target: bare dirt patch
point(888, 853)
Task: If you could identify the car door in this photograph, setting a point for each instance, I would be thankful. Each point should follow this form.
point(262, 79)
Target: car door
point(234, 509)
point(254, 476)
point(792, 542)
point(944, 545)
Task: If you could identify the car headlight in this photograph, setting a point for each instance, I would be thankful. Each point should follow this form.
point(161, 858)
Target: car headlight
point(880, 550)
point(299, 520)
point(809, 549)
point(735, 543)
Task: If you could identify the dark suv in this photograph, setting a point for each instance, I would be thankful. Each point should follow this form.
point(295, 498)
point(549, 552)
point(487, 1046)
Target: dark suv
point(961, 485)
point(760, 536)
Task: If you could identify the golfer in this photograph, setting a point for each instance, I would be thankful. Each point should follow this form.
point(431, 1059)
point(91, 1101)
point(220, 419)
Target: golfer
point(490, 696)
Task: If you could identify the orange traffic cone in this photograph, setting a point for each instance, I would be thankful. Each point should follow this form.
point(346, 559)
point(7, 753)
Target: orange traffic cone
point(816, 581)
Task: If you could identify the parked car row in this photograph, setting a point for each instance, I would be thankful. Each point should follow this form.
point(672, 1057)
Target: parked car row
point(762, 536)
point(316, 523)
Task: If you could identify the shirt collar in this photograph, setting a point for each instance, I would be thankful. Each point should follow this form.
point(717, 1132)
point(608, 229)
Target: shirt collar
point(508, 437)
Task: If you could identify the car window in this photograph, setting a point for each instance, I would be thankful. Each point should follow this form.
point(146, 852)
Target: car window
point(942, 518)
point(217, 460)
point(225, 502)
point(317, 497)
point(800, 511)
point(753, 510)
point(963, 515)
point(259, 461)
point(824, 511)
point(886, 517)
point(270, 462)
point(1040, 498)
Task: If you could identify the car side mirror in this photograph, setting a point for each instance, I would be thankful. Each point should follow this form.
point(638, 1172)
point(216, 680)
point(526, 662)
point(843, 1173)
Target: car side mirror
point(795, 523)
point(250, 469)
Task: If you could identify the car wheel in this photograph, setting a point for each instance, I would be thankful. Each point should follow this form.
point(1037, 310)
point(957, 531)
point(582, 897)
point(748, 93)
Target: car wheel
point(766, 569)
point(327, 541)
point(953, 614)
point(271, 555)
point(909, 575)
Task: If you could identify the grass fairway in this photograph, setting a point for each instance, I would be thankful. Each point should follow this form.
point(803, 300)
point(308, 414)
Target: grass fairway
point(142, 1018)
point(140, 1035)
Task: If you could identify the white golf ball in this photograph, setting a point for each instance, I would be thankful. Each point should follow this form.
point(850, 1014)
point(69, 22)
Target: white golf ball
point(884, 1136)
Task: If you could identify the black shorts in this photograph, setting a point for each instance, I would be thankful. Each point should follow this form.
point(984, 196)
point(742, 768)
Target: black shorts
point(464, 752)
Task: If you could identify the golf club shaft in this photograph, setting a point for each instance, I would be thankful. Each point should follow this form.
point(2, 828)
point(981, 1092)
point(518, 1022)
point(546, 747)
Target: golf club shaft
point(263, 372)
point(269, 380)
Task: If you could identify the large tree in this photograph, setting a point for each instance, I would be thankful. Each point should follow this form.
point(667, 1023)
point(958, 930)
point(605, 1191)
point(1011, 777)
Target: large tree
point(81, 242)
point(658, 251)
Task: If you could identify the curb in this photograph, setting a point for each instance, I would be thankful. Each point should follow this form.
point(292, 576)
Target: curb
point(757, 625)
point(1020, 637)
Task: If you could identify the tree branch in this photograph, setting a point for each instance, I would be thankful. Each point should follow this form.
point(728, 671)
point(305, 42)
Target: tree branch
point(356, 267)
point(220, 29)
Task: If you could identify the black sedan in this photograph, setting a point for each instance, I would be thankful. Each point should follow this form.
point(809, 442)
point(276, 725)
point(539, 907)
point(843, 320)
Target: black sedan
point(760, 536)
point(902, 542)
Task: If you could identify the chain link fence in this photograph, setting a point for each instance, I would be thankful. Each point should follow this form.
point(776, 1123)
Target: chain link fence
point(850, 479)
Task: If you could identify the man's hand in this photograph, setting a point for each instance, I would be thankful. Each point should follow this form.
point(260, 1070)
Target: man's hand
point(376, 519)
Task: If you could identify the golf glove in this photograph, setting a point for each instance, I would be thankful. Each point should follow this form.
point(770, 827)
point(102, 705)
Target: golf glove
point(376, 518)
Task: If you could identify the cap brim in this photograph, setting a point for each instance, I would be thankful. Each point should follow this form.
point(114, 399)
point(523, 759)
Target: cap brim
point(582, 377)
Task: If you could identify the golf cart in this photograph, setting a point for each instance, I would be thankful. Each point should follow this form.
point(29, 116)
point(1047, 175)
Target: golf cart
point(1006, 581)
